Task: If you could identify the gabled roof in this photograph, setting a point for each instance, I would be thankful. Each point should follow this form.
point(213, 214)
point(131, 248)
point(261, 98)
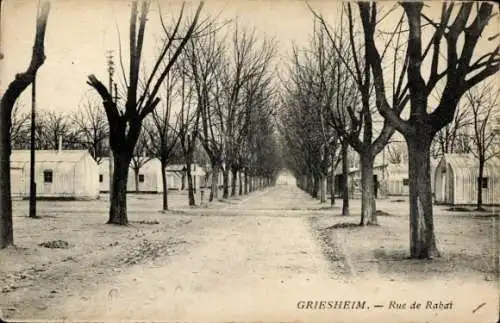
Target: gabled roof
point(195, 169)
point(458, 161)
point(51, 156)
point(358, 169)
point(468, 165)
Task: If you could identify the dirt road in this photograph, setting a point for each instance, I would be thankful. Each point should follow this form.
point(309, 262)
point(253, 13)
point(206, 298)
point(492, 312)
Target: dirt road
point(243, 266)
point(256, 259)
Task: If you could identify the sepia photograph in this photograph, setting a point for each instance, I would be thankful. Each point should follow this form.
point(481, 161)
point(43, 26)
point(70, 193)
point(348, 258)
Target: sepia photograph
point(249, 161)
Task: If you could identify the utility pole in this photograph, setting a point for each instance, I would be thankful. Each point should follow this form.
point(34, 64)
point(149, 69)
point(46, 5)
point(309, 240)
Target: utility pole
point(111, 70)
point(32, 204)
point(1, 53)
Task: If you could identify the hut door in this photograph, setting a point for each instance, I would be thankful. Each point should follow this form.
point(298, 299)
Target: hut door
point(450, 187)
point(48, 179)
point(443, 195)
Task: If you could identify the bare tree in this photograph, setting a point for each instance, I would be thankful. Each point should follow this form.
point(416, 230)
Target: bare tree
point(14, 90)
point(189, 120)
point(462, 70)
point(450, 138)
point(125, 124)
point(54, 128)
point(163, 136)
point(263, 156)
point(396, 153)
point(257, 91)
point(302, 132)
point(19, 132)
point(249, 61)
point(363, 136)
point(205, 57)
point(483, 101)
point(91, 128)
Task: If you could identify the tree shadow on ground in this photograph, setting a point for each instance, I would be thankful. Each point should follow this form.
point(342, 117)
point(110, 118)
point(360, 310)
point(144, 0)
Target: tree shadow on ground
point(383, 213)
point(399, 262)
point(342, 225)
point(321, 208)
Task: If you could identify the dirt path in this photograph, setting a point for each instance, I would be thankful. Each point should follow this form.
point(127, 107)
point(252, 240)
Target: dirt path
point(248, 260)
point(243, 267)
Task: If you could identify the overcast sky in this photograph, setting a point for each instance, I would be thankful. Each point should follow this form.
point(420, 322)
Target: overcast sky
point(80, 32)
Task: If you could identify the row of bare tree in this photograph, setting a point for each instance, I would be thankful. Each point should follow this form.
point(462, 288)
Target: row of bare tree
point(85, 130)
point(208, 93)
point(381, 70)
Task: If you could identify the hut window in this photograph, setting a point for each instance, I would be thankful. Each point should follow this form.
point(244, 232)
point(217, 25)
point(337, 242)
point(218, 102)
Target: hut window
point(405, 182)
point(47, 176)
point(100, 178)
point(141, 178)
point(484, 182)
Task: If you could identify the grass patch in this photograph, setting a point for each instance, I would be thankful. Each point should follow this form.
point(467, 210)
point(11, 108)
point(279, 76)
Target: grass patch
point(321, 208)
point(342, 225)
point(458, 209)
point(55, 244)
point(383, 213)
point(484, 216)
point(146, 222)
point(172, 211)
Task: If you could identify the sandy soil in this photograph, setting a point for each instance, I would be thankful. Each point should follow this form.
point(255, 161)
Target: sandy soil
point(247, 259)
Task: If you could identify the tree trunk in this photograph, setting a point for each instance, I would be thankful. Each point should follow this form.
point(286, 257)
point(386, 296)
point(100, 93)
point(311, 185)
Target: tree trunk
point(9, 98)
point(368, 214)
point(234, 172)
point(118, 206)
point(192, 201)
point(315, 187)
point(246, 183)
point(240, 183)
point(345, 179)
point(332, 189)
point(136, 177)
point(422, 239)
point(225, 182)
point(479, 183)
point(6, 231)
point(164, 184)
point(323, 189)
point(183, 181)
point(214, 191)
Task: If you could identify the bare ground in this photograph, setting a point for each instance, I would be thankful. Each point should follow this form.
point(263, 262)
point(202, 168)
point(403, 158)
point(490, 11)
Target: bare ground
point(247, 259)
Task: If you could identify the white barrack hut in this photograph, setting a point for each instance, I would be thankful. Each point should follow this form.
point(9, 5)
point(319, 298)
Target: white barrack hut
point(456, 178)
point(176, 173)
point(59, 174)
point(149, 178)
point(397, 181)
